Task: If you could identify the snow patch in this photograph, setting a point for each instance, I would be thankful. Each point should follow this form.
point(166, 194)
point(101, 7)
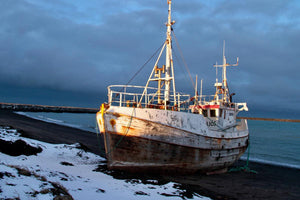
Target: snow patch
point(62, 170)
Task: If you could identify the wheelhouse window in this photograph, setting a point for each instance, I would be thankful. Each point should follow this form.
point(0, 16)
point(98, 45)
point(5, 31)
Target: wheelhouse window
point(212, 113)
point(204, 113)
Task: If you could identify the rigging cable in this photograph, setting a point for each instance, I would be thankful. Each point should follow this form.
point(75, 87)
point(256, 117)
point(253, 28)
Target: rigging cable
point(142, 67)
point(186, 67)
point(181, 67)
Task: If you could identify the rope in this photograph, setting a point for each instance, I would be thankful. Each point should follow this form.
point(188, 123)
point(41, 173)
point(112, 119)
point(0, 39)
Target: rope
point(245, 168)
point(125, 133)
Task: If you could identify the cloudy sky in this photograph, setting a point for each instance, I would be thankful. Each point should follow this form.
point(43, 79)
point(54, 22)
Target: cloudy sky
point(54, 51)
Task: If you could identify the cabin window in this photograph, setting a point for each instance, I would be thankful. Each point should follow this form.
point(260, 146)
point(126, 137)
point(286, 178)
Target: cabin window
point(204, 113)
point(221, 112)
point(224, 114)
point(212, 113)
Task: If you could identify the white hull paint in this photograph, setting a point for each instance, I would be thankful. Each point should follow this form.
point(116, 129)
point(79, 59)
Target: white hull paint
point(206, 149)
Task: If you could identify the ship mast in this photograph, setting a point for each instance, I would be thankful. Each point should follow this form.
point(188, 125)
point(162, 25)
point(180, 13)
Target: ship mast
point(224, 89)
point(167, 69)
point(169, 60)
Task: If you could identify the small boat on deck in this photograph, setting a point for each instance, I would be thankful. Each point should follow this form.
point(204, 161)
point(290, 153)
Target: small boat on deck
point(157, 129)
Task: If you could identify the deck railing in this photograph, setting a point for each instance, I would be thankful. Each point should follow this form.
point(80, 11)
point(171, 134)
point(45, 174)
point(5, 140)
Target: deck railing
point(150, 97)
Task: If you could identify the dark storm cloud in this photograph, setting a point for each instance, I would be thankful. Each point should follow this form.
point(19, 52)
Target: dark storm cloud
point(40, 50)
point(85, 46)
point(56, 52)
point(267, 44)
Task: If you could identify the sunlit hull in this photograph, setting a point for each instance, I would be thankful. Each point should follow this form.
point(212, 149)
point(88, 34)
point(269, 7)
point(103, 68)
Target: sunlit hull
point(140, 139)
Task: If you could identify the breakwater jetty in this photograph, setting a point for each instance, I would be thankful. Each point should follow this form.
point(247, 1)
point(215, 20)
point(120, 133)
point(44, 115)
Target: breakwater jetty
point(45, 108)
point(269, 119)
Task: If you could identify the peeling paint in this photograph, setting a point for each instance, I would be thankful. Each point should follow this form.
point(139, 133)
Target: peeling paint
point(149, 143)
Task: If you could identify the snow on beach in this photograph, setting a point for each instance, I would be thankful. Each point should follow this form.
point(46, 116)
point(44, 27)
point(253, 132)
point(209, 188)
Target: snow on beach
point(51, 170)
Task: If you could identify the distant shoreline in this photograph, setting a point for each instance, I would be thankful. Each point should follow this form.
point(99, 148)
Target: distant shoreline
point(69, 109)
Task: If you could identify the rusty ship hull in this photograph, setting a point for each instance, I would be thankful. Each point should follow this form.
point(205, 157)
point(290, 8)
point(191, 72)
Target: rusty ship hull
point(161, 141)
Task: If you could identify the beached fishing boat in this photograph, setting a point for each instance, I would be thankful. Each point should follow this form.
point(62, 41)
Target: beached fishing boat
point(157, 129)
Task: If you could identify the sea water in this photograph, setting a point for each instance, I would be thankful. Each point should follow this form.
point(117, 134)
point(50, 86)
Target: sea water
point(82, 121)
point(271, 142)
point(275, 143)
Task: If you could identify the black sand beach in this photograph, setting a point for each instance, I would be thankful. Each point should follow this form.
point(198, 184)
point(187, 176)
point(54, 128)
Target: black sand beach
point(270, 182)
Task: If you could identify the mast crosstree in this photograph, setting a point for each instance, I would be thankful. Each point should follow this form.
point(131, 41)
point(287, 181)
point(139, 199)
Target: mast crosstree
point(167, 81)
point(222, 88)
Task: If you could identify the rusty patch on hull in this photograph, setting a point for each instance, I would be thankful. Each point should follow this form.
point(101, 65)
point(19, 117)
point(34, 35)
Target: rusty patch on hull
point(138, 154)
point(112, 122)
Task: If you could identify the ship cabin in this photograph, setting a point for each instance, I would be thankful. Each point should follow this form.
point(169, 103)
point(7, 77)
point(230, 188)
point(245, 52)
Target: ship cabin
point(213, 108)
